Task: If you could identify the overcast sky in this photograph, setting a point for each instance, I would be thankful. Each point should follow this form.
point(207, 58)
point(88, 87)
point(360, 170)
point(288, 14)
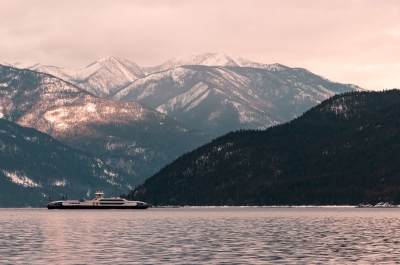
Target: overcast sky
point(347, 41)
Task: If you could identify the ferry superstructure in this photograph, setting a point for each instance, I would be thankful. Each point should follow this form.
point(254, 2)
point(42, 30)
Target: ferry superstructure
point(99, 202)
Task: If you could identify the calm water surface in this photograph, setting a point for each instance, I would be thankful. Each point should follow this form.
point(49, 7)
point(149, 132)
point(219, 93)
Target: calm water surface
point(233, 235)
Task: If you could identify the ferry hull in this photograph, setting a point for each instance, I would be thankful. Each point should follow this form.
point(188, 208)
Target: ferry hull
point(95, 207)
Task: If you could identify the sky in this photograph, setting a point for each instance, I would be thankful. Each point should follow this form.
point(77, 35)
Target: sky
point(346, 41)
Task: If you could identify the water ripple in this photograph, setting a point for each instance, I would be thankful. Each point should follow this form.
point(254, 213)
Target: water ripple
point(201, 235)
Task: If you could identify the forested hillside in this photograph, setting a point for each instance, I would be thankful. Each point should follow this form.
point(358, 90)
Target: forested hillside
point(343, 151)
point(35, 166)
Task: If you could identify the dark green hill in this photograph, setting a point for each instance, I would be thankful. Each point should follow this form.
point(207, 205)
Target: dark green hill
point(34, 166)
point(343, 151)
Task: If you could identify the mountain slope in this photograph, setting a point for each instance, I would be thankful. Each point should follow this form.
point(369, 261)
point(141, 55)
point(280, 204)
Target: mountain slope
point(135, 140)
point(221, 99)
point(34, 166)
point(344, 151)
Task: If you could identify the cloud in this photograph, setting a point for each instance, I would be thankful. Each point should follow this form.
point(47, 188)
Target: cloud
point(330, 38)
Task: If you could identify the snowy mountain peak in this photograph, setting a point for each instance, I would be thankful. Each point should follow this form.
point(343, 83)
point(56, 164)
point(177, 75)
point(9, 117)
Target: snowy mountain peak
point(115, 63)
point(101, 78)
point(107, 76)
point(112, 59)
point(208, 59)
point(213, 59)
point(108, 58)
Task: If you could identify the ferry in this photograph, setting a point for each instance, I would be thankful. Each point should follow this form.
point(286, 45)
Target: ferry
point(99, 202)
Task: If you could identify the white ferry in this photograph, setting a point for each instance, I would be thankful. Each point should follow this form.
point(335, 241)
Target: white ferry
point(99, 202)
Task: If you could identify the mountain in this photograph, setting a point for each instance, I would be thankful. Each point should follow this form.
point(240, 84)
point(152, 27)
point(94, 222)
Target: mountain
point(35, 166)
point(220, 99)
point(214, 93)
point(134, 140)
point(343, 151)
point(209, 59)
point(101, 78)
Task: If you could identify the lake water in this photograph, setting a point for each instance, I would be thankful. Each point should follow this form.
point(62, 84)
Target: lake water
point(232, 235)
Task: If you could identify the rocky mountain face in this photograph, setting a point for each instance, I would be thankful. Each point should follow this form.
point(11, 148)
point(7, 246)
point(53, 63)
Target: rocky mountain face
point(210, 92)
point(35, 166)
point(219, 99)
point(342, 152)
point(133, 139)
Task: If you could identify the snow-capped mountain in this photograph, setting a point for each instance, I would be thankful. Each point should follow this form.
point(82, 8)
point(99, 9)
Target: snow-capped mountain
point(101, 78)
point(209, 59)
point(132, 138)
point(214, 93)
point(219, 99)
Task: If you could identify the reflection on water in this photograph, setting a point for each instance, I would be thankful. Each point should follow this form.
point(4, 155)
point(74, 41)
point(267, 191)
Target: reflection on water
point(201, 235)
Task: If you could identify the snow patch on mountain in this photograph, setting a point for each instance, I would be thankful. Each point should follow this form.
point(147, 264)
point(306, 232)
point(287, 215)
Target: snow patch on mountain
point(244, 114)
point(30, 139)
point(91, 107)
point(222, 147)
point(337, 106)
point(6, 84)
point(60, 183)
point(187, 100)
point(239, 81)
point(326, 92)
point(197, 101)
point(20, 179)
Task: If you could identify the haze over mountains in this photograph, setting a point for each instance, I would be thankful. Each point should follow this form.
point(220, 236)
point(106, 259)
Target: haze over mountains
point(209, 92)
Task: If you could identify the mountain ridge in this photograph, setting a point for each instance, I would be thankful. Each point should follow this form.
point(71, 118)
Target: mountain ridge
point(211, 59)
point(206, 59)
point(235, 93)
point(247, 97)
